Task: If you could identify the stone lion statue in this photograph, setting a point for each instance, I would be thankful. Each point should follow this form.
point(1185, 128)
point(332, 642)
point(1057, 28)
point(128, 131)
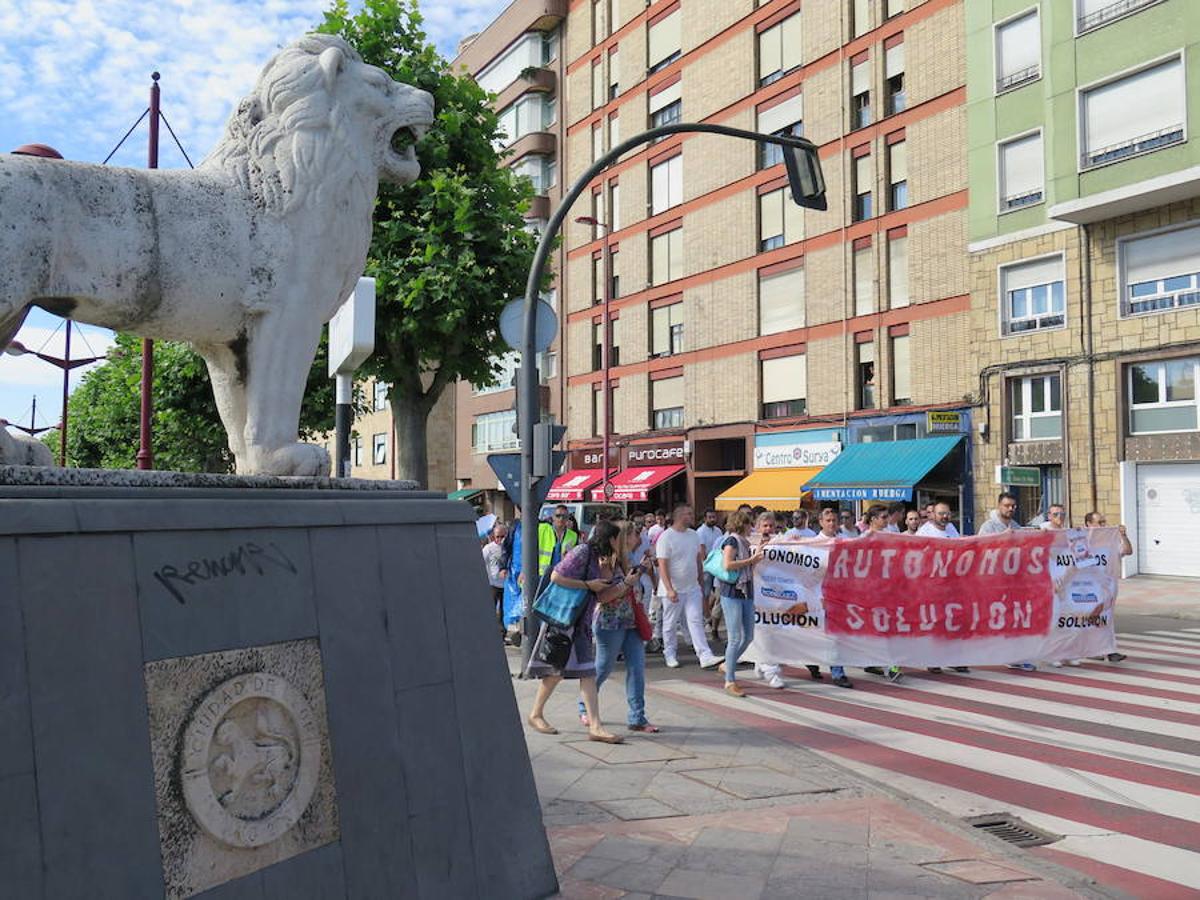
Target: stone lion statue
point(246, 258)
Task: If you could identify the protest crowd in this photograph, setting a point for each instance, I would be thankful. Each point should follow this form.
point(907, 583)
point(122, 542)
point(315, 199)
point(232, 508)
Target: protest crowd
point(638, 585)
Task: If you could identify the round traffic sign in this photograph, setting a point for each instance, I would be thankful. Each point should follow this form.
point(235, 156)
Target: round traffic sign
point(609, 490)
point(512, 324)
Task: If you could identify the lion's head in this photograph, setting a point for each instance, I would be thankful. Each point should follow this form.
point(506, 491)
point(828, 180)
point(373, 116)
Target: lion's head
point(321, 121)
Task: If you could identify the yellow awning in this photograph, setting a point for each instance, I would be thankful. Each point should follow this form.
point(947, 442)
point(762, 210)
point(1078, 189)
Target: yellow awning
point(773, 488)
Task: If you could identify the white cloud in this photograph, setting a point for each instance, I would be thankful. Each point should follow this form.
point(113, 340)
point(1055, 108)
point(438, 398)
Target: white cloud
point(24, 377)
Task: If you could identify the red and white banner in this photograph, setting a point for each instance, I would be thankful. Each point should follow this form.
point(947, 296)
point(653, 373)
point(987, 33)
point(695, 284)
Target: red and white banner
point(899, 599)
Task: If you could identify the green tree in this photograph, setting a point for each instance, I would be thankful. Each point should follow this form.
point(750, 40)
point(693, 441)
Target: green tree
point(450, 248)
point(188, 435)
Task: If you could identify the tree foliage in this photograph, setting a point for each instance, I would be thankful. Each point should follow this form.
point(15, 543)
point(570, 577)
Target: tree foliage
point(449, 249)
point(188, 436)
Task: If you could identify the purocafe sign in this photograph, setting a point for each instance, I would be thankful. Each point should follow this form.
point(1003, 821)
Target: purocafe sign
point(919, 601)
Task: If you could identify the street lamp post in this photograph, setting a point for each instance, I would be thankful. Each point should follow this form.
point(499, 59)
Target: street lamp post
point(605, 340)
point(145, 454)
point(808, 189)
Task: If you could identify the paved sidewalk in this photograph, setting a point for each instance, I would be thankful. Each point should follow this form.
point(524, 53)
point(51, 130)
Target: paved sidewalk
point(710, 809)
point(1153, 595)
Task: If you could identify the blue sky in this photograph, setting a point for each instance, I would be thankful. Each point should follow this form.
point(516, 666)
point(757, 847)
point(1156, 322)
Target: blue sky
point(75, 74)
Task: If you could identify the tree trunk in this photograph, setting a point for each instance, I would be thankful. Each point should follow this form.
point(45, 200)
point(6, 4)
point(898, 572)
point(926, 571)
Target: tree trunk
point(410, 415)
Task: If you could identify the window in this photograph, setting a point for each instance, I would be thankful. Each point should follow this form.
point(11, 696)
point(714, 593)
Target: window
point(897, 176)
point(1033, 296)
point(664, 41)
point(598, 214)
point(615, 289)
point(614, 75)
point(614, 130)
point(1160, 271)
point(780, 221)
point(379, 449)
point(614, 205)
point(666, 184)
point(1134, 114)
point(894, 7)
point(666, 106)
point(1098, 13)
point(529, 114)
point(598, 85)
point(784, 387)
point(781, 301)
point(1021, 172)
point(864, 181)
point(779, 49)
point(494, 431)
point(865, 374)
point(862, 17)
point(1018, 51)
point(666, 330)
point(548, 365)
point(860, 92)
point(666, 402)
point(598, 410)
point(666, 257)
point(506, 370)
point(901, 371)
point(541, 170)
point(898, 270)
point(601, 20)
point(379, 396)
point(356, 448)
point(864, 280)
point(597, 279)
point(597, 141)
point(896, 99)
point(531, 50)
point(1162, 396)
point(784, 119)
point(598, 345)
point(1036, 404)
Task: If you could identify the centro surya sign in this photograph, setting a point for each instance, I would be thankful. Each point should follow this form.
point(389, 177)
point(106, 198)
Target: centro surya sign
point(789, 456)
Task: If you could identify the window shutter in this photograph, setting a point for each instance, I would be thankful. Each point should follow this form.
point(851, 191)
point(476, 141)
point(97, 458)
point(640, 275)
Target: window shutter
point(864, 281)
point(1040, 271)
point(614, 194)
point(1162, 255)
point(901, 369)
point(898, 162)
point(793, 218)
point(659, 259)
point(659, 329)
point(659, 191)
point(791, 42)
point(777, 118)
point(862, 17)
point(665, 97)
point(614, 69)
point(1136, 106)
point(598, 97)
point(667, 392)
point(860, 77)
point(784, 378)
point(1018, 45)
point(664, 38)
point(1021, 166)
point(770, 51)
point(675, 250)
point(898, 272)
point(893, 63)
point(864, 175)
point(781, 302)
point(770, 215)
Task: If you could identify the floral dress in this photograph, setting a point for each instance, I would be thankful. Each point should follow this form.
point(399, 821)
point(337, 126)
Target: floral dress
point(580, 565)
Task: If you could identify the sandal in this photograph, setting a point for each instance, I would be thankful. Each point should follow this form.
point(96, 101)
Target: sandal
point(583, 720)
point(646, 728)
point(606, 738)
point(544, 728)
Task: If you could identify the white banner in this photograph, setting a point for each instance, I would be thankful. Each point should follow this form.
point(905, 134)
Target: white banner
point(899, 599)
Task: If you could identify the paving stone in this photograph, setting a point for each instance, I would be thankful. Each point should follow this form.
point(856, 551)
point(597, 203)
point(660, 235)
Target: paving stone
point(979, 871)
point(757, 782)
point(632, 751)
point(645, 876)
point(637, 850)
point(602, 783)
point(639, 808)
point(700, 885)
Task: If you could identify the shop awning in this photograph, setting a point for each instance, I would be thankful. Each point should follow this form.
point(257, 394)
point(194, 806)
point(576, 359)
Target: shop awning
point(464, 494)
point(635, 485)
point(884, 470)
point(772, 488)
point(571, 487)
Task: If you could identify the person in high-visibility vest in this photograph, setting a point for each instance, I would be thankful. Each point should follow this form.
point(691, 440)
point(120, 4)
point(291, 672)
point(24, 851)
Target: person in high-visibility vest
point(555, 539)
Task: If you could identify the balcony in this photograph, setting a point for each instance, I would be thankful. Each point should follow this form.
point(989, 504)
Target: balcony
point(1020, 200)
point(531, 81)
point(544, 143)
point(1016, 79)
point(520, 16)
point(1164, 137)
point(1111, 13)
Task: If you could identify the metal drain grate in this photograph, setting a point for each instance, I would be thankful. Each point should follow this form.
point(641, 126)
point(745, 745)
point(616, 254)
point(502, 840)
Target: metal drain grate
point(1009, 828)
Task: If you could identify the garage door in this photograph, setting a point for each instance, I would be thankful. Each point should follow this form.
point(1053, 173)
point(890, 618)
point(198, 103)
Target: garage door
point(1168, 529)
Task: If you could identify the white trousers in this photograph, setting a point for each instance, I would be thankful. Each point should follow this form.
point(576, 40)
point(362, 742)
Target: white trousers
point(690, 606)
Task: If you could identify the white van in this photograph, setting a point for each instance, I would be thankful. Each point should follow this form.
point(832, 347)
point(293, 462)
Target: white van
point(585, 513)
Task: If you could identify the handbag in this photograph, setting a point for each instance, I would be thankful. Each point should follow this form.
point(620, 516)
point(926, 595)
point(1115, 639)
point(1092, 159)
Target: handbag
point(560, 606)
point(714, 565)
point(641, 621)
point(555, 648)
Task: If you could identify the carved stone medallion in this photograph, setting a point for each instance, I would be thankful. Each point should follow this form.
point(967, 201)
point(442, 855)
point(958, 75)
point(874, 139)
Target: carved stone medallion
point(249, 759)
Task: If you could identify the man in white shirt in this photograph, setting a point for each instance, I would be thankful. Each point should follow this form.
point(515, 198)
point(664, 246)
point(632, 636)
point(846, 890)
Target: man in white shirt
point(710, 532)
point(680, 555)
point(939, 526)
point(799, 529)
point(1056, 520)
point(895, 517)
point(710, 536)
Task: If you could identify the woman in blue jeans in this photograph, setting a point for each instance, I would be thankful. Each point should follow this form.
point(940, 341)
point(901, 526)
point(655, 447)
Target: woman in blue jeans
point(737, 598)
point(616, 633)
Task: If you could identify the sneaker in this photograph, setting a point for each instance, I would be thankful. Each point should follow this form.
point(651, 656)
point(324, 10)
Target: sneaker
point(1024, 667)
point(516, 639)
point(934, 670)
point(1057, 664)
point(1116, 657)
point(815, 672)
point(672, 663)
point(774, 681)
point(961, 668)
point(843, 681)
point(1074, 662)
point(709, 661)
point(874, 670)
point(894, 674)
point(732, 687)
point(654, 645)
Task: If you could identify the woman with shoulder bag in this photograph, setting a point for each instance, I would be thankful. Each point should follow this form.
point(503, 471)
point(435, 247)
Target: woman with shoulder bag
point(617, 633)
point(737, 597)
point(587, 567)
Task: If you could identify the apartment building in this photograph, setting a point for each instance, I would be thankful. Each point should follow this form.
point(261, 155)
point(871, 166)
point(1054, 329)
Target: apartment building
point(755, 341)
point(1085, 263)
point(518, 58)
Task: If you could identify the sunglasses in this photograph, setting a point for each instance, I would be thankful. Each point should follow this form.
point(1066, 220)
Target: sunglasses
point(561, 516)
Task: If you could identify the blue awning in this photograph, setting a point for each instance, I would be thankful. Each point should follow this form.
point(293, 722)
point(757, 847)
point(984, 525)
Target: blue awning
point(884, 470)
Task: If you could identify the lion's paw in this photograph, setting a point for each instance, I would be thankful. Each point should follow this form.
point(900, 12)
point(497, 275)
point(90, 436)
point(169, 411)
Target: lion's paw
point(298, 459)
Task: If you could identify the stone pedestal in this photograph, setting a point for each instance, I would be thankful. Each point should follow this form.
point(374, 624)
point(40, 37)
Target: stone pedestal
point(254, 688)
